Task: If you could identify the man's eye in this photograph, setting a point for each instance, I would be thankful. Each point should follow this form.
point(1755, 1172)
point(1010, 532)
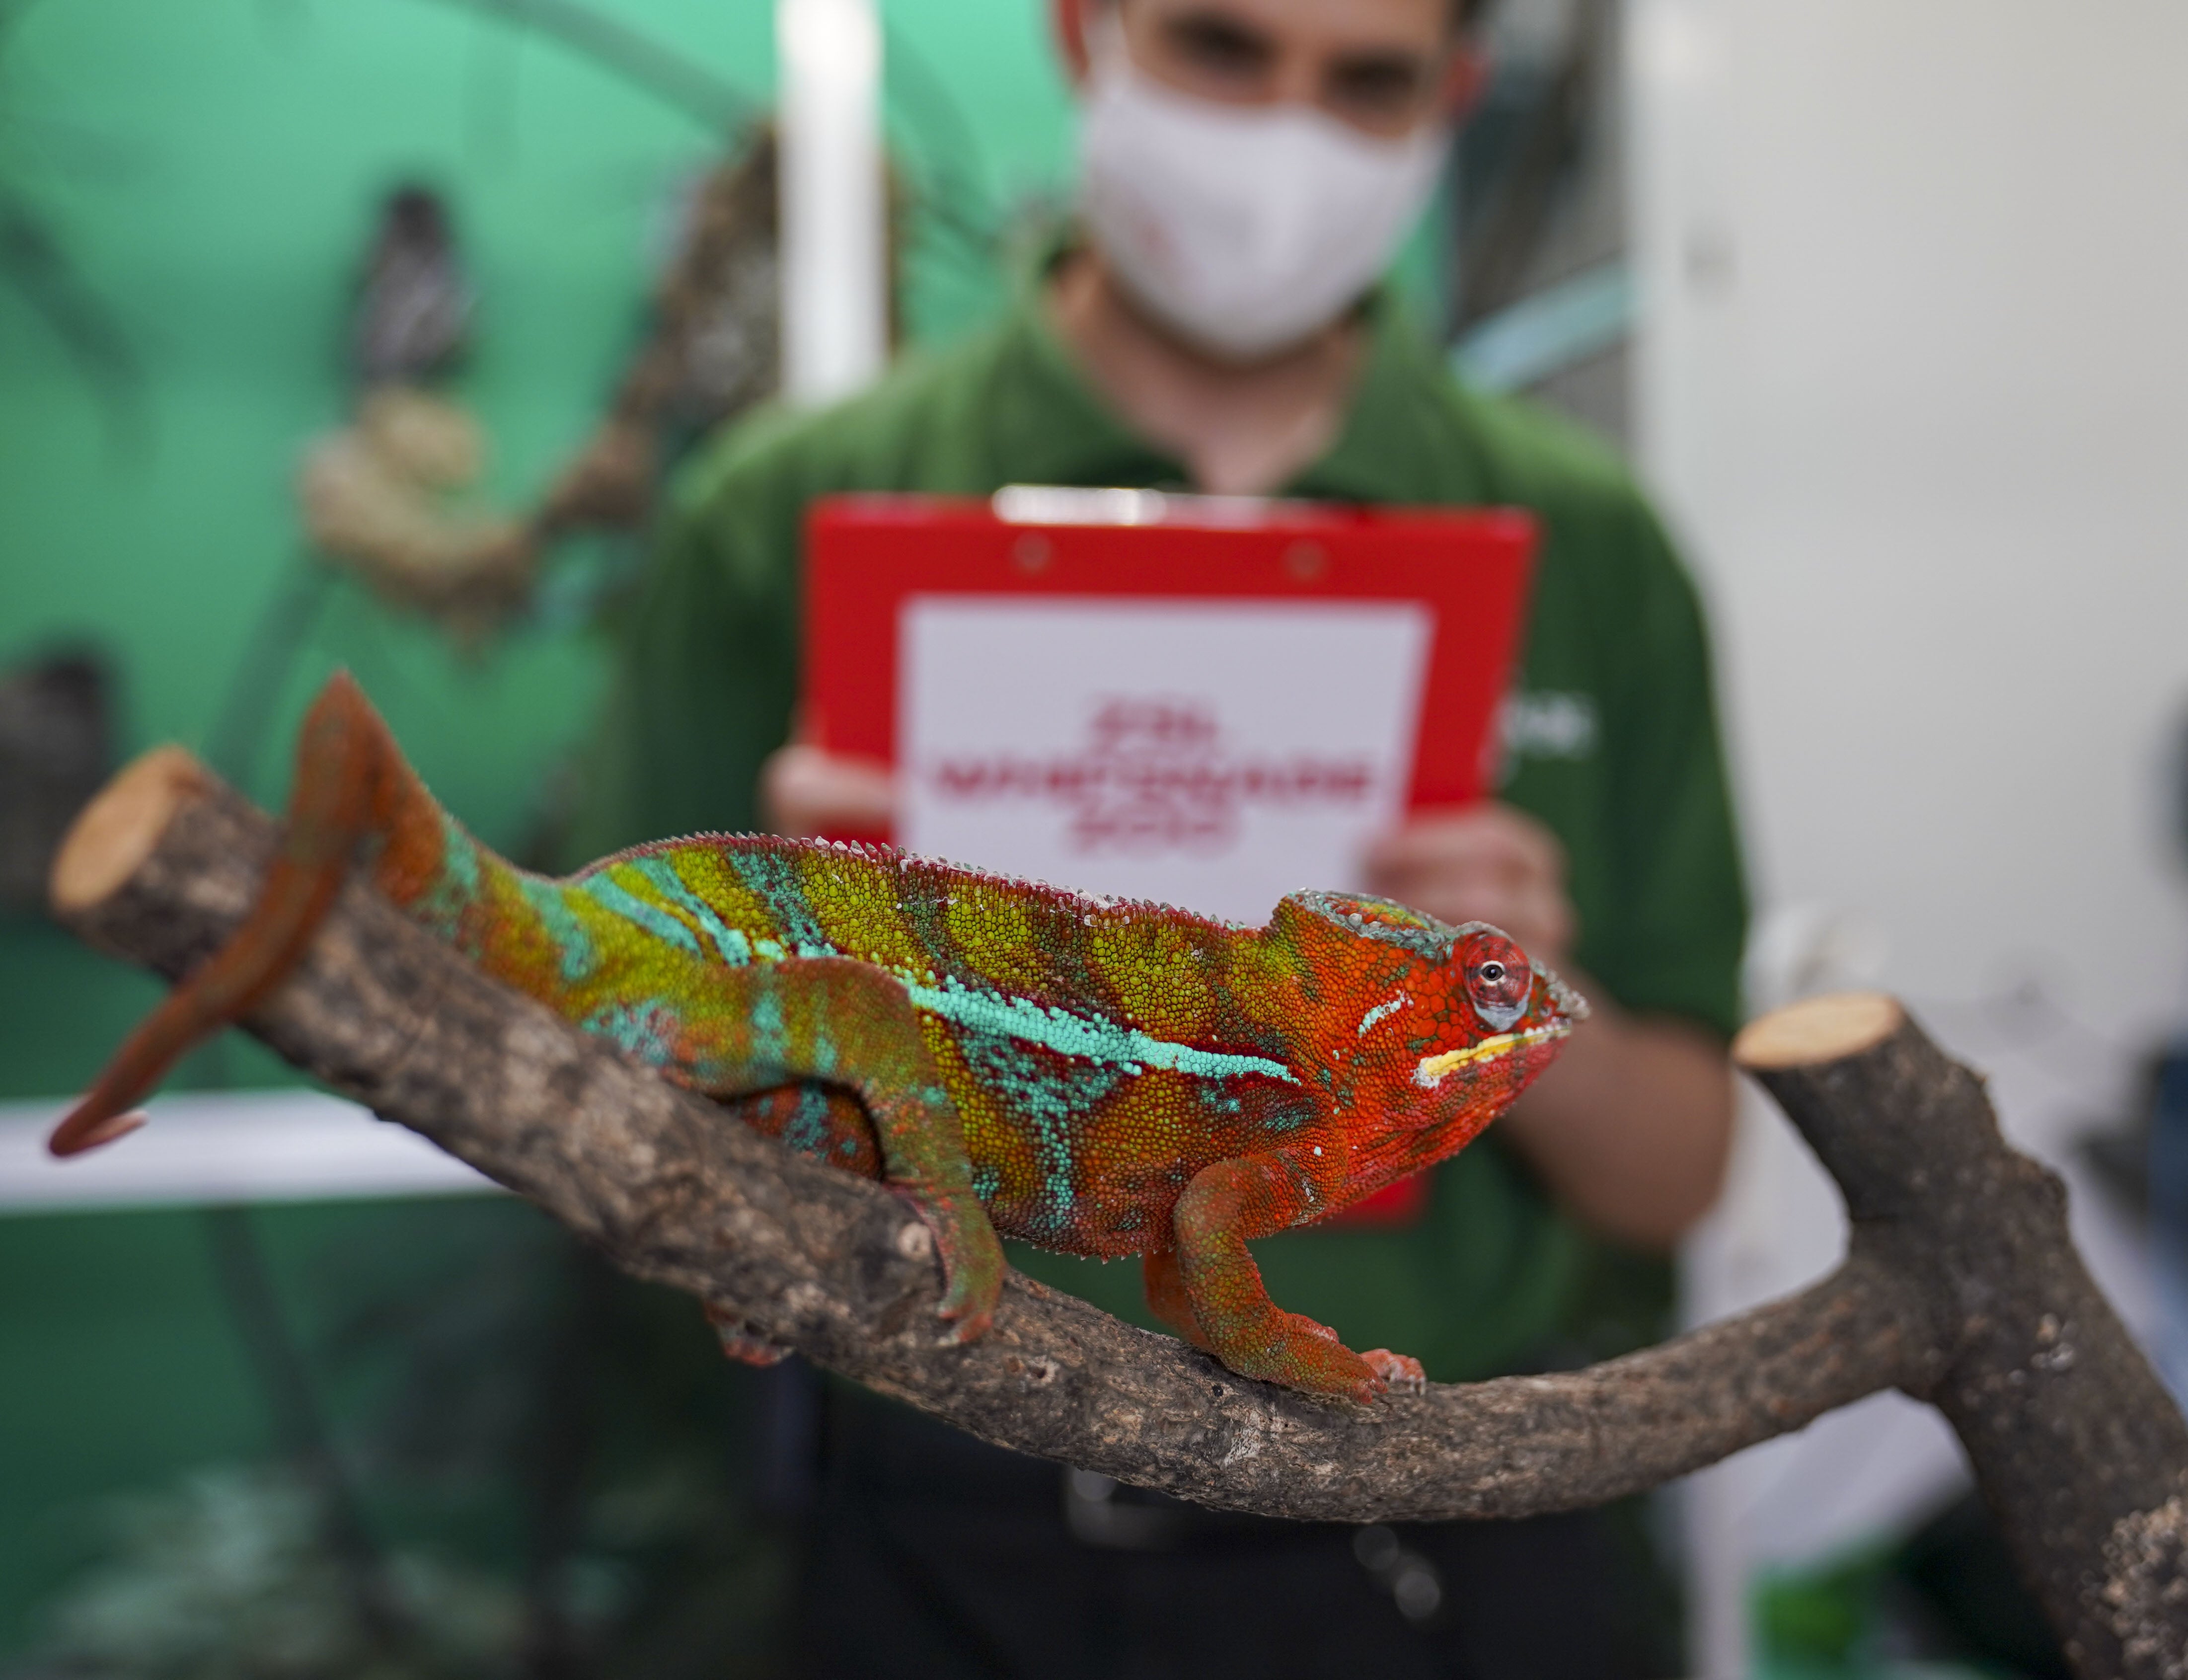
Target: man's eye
point(1377, 88)
point(1217, 45)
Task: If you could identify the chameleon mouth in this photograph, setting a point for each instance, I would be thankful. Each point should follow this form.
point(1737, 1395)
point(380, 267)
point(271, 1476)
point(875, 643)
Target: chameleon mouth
point(1435, 1069)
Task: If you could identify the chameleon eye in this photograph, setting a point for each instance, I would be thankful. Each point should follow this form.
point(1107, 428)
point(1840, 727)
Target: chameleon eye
point(1498, 979)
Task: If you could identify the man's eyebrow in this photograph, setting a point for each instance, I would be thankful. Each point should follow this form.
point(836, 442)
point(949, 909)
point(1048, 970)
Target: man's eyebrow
point(1221, 30)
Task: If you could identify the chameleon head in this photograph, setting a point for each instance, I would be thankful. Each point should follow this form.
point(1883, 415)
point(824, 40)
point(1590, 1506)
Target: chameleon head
point(1427, 1032)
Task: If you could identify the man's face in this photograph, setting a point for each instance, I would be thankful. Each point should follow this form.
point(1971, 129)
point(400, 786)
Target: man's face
point(1386, 67)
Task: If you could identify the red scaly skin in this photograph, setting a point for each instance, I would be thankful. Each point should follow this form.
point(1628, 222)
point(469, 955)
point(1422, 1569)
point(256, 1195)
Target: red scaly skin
point(1098, 1076)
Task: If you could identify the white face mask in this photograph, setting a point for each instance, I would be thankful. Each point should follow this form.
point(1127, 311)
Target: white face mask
point(1244, 229)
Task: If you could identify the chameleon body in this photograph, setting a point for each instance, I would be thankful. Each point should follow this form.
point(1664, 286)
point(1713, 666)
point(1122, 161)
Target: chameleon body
point(1102, 1078)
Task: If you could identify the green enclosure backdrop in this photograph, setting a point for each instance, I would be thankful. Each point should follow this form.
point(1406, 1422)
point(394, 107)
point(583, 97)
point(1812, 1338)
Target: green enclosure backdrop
point(212, 168)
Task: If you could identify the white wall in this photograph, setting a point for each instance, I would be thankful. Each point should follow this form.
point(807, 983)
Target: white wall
point(1912, 382)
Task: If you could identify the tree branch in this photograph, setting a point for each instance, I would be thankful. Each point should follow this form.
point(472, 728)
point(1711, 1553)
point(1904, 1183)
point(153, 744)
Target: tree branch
point(2076, 1445)
point(1960, 1285)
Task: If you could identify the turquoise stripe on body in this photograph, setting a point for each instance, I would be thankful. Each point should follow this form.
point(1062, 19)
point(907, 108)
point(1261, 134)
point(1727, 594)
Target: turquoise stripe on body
point(660, 875)
point(1090, 1038)
point(775, 878)
point(560, 925)
point(617, 899)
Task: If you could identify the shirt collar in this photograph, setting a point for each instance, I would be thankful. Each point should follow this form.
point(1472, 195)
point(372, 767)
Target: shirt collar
point(1053, 427)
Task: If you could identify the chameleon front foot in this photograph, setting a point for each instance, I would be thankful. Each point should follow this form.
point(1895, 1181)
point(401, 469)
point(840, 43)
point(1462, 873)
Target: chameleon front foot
point(1402, 1373)
point(1217, 1287)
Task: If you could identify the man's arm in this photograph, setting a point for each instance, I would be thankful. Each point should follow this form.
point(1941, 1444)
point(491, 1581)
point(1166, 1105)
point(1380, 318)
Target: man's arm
point(807, 791)
point(1632, 1127)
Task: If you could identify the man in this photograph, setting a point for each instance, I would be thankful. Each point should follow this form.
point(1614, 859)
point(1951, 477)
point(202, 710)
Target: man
point(1248, 168)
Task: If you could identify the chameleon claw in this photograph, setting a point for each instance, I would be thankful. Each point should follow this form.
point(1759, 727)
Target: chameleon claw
point(1399, 1373)
point(969, 1329)
point(742, 1343)
point(974, 1285)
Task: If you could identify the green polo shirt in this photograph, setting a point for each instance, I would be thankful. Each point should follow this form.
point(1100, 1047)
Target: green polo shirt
point(1612, 736)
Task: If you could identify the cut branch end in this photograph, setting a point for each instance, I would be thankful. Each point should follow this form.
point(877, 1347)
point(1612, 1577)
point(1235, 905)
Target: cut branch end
point(113, 835)
point(1817, 1030)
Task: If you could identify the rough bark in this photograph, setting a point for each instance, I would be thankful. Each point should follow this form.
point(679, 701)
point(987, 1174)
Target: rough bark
point(1960, 1285)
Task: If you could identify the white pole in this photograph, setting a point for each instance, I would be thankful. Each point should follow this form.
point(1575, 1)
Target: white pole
point(834, 262)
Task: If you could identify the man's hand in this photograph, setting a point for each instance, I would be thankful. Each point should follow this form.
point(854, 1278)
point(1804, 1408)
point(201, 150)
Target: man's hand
point(1631, 1126)
point(805, 791)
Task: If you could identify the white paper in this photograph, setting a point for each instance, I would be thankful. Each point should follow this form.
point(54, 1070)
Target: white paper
point(1212, 754)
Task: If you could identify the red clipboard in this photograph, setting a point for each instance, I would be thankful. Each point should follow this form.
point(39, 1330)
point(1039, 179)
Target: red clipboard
point(869, 557)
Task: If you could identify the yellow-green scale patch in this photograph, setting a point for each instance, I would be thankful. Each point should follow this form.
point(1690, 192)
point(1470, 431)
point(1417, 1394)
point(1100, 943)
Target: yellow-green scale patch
point(858, 901)
point(576, 955)
point(997, 936)
point(1156, 973)
point(1005, 1172)
point(624, 889)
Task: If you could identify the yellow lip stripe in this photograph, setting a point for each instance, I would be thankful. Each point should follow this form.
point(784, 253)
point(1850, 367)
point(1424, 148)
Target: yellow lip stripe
point(1434, 1069)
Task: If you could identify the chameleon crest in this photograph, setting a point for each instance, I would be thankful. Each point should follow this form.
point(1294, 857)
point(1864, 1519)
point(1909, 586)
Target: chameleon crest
point(1098, 1076)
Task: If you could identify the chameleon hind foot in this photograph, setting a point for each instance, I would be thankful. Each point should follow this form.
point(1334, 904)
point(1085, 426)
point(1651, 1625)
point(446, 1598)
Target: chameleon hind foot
point(973, 1263)
point(852, 1025)
point(959, 1236)
point(96, 1131)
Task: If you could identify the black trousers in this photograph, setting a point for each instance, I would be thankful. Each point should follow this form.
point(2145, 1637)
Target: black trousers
point(932, 1554)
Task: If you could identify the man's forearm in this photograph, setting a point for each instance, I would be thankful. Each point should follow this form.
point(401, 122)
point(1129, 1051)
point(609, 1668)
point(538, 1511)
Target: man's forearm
point(1631, 1127)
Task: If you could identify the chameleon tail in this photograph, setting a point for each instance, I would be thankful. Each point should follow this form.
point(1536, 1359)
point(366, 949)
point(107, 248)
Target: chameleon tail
point(342, 790)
